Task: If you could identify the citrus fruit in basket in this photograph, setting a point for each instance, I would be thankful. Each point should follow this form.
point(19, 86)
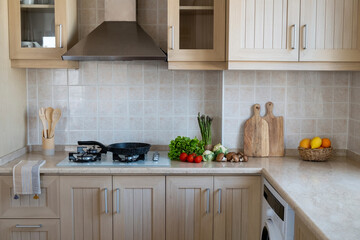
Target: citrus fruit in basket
point(316, 142)
point(326, 143)
point(305, 143)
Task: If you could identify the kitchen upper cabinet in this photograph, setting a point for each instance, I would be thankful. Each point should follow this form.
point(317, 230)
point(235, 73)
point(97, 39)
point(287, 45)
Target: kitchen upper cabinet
point(196, 32)
point(139, 208)
point(30, 229)
point(86, 207)
point(39, 34)
point(47, 206)
point(330, 30)
point(189, 208)
point(303, 232)
point(237, 210)
point(263, 30)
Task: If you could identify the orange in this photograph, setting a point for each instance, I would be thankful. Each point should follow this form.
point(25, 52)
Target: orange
point(305, 143)
point(326, 143)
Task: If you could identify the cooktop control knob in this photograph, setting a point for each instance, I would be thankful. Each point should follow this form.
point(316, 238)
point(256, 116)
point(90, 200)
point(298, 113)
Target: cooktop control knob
point(156, 156)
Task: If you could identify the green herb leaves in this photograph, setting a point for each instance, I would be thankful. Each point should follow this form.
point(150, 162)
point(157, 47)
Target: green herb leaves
point(187, 145)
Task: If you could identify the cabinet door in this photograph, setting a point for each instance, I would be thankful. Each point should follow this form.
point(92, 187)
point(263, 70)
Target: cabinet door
point(237, 208)
point(302, 232)
point(189, 208)
point(263, 30)
point(330, 30)
point(47, 206)
point(30, 229)
point(38, 31)
point(196, 30)
point(139, 208)
point(86, 208)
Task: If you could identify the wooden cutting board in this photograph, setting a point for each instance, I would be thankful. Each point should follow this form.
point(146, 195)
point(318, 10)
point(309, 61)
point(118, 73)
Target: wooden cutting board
point(256, 135)
point(276, 132)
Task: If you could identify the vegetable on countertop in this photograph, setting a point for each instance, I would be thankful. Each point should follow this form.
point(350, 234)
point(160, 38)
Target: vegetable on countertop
point(208, 156)
point(218, 148)
point(185, 145)
point(183, 157)
point(198, 159)
point(205, 128)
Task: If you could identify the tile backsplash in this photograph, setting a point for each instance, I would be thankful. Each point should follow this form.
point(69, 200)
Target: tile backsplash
point(124, 101)
point(354, 122)
point(312, 103)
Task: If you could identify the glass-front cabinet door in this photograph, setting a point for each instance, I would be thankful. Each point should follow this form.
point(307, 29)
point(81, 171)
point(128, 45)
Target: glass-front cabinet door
point(38, 29)
point(196, 30)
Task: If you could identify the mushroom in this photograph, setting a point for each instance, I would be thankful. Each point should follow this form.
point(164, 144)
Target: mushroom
point(219, 157)
point(230, 155)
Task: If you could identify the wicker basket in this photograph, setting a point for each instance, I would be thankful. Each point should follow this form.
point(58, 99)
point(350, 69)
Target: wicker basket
point(316, 155)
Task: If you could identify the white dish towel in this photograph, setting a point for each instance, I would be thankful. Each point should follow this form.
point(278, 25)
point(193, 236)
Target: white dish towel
point(26, 178)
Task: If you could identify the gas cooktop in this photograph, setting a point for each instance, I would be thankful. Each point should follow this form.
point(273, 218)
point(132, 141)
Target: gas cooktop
point(106, 160)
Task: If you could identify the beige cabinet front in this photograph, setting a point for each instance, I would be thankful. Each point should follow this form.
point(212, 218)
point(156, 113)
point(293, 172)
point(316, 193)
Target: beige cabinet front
point(330, 30)
point(196, 30)
point(86, 207)
point(263, 30)
point(30, 229)
point(237, 208)
point(302, 232)
point(139, 207)
point(47, 206)
point(189, 208)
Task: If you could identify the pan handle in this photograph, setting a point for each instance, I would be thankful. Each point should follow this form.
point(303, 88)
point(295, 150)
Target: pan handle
point(102, 146)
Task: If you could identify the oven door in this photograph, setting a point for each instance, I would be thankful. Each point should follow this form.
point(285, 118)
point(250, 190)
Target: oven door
point(270, 231)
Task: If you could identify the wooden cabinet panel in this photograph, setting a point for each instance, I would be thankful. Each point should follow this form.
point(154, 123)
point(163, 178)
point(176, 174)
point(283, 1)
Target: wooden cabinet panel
point(189, 208)
point(237, 208)
point(302, 232)
point(139, 208)
point(30, 229)
point(47, 206)
point(330, 30)
point(83, 205)
point(263, 30)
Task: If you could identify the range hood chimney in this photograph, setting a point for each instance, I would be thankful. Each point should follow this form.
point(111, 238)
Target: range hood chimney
point(119, 38)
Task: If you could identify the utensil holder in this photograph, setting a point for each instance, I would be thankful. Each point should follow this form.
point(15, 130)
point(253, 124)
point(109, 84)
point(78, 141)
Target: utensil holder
point(48, 146)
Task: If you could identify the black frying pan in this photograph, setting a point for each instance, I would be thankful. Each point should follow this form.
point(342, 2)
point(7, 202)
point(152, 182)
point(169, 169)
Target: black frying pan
point(127, 149)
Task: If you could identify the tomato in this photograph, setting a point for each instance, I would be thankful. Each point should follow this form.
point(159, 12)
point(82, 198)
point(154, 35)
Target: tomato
point(183, 157)
point(190, 158)
point(193, 154)
point(198, 159)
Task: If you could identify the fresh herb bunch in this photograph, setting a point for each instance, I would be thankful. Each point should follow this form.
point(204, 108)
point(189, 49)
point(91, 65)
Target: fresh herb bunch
point(187, 145)
point(205, 128)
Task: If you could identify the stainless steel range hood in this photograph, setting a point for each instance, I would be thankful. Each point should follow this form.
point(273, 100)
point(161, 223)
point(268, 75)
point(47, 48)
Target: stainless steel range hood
point(116, 41)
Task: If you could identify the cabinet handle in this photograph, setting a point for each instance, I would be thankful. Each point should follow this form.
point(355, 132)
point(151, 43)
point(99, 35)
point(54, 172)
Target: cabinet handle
point(208, 200)
point(293, 36)
point(60, 36)
point(305, 30)
point(106, 201)
point(172, 37)
point(28, 226)
point(117, 200)
point(219, 208)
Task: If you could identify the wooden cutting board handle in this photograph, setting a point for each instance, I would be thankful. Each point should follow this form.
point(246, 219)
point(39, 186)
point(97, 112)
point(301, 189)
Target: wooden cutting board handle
point(276, 132)
point(256, 135)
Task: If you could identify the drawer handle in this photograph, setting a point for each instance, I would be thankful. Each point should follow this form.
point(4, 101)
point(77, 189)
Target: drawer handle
point(172, 37)
point(60, 36)
point(117, 200)
point(28, 226)
point(106, 201)
point(293, 36)
point(219, 208)
point(208, 200)
point(305, 32)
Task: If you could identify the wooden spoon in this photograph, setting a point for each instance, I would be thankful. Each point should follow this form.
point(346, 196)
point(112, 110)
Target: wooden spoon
point(48, 114)
point(56, 115)
point(43, 120)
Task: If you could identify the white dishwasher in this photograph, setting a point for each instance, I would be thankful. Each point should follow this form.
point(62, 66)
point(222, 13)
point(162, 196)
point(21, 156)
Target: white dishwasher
point(277, 216)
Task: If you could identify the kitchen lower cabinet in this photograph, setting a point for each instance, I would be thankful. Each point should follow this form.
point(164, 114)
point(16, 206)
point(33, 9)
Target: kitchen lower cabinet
point(30, 229)
point(86, 207)
point(302, 232)
point(189, 208)
point(237, 210)
point(139, 207)
point(47, 206)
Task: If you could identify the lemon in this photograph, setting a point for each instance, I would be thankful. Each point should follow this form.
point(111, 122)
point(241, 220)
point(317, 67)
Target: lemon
point(316, 142)
point(305, 143)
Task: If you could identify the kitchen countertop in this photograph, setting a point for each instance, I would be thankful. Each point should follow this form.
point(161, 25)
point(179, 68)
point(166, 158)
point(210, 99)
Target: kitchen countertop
point(325, 195)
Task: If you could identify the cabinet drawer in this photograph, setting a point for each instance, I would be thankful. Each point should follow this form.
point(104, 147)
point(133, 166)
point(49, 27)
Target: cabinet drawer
point(47, 206)
point(34, 229)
